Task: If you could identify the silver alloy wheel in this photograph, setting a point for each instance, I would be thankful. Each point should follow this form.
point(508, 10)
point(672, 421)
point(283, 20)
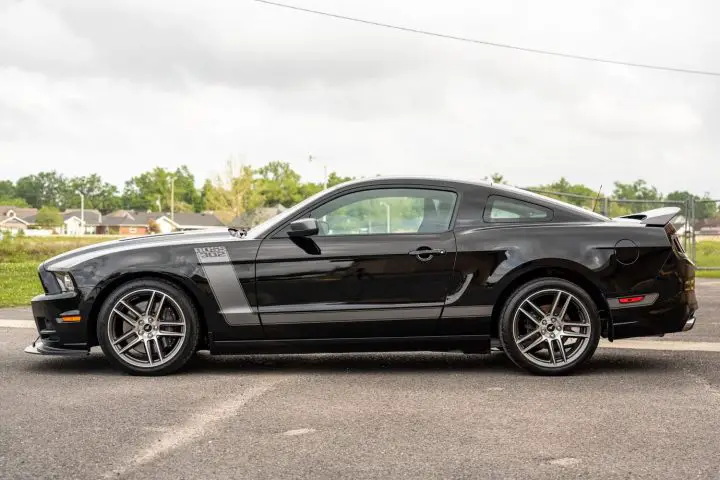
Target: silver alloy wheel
point(551, 328)
point(146, 328)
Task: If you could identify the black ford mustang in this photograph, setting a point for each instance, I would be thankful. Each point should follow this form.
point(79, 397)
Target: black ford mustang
point(386, 264)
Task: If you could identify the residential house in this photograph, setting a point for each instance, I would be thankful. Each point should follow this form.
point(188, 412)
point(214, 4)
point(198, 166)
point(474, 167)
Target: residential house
point(123, 223)
point(73, 222)
point(128, 222)
point(12, 219)
point(254, 217)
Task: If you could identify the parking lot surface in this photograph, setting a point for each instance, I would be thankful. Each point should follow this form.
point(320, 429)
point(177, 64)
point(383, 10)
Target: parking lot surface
point(629, 413)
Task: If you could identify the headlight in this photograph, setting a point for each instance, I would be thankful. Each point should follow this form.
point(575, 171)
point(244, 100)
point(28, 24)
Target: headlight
point(65, 282)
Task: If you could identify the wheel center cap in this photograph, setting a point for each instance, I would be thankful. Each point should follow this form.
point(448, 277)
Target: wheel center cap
point(550, 327)
point(147, 327)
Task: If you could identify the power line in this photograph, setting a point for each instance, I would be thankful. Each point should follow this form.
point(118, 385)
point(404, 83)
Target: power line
point(492, 44)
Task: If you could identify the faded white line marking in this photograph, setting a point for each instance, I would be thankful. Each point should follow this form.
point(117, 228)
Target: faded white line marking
point(299, 431)
point(198, 425)
point(17, 324)
point(565, 462)
point(669, 345)
point(705, 384)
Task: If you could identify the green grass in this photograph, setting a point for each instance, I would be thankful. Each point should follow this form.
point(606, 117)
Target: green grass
point(19, 260)
point(707, 253)
point(19, 282)
point(26, 249)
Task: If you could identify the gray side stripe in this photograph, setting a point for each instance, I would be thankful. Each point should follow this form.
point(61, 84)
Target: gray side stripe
point(456, 296)
point(226, 287)
point(471, 311)
point(650, 298)
point(366, 315)
point(345, 307)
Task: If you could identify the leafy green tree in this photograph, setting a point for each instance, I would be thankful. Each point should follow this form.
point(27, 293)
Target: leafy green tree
point(14, 201)
point(42, 189)
point(335, 179)
point(142, 192)
point(496, 178)
point(705, 207)
point(7, 189)
point(279, 183)
point(586, 196)
point(49, 217)
point(637, 190)
point(98, 194)
point(233, 193)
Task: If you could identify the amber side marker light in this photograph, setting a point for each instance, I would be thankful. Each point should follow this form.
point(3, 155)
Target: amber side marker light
point(635, 299)
point(71, 319)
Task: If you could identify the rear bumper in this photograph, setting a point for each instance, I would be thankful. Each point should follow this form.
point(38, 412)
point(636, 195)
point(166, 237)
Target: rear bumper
point(57, 337)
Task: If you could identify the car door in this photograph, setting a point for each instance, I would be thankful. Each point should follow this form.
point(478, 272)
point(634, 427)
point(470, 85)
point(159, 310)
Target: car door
point(379, 266)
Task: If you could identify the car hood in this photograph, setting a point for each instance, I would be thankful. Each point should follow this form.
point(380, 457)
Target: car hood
point(69, 259)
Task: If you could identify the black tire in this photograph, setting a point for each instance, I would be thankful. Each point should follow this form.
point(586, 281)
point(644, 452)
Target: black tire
point(538, 287)
point(181, 353)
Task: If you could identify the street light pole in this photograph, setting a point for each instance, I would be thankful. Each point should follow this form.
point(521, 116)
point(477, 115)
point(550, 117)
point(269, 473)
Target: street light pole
point(172, 198)
point(387, 215)
point(82, 213)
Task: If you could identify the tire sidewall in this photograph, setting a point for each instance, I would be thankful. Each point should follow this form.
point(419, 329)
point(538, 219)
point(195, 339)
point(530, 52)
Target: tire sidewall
point(506, 325)
point(192, 327)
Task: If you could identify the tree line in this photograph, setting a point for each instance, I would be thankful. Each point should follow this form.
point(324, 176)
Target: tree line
point(237, 189)
point(241, 188)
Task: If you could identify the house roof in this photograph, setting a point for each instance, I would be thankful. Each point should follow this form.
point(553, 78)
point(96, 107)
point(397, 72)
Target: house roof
point(11, 220)
point(182, 219)
point(21, 212)
point(92, 217)
point(196, 219)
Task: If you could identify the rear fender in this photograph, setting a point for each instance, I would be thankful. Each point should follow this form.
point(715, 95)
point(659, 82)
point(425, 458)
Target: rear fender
point(560, 268)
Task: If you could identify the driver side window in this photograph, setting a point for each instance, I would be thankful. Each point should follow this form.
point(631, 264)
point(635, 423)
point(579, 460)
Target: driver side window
point(388, 210)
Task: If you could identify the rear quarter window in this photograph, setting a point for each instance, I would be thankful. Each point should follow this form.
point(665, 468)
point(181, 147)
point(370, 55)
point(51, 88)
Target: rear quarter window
point(500, 209)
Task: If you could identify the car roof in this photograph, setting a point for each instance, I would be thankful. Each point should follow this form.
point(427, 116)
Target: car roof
point(496, 188)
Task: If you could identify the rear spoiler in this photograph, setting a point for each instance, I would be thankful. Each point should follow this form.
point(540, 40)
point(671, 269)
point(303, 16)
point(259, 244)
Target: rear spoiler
point(653, 218)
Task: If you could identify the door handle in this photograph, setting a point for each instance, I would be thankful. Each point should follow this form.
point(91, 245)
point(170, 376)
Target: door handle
point(425, 254)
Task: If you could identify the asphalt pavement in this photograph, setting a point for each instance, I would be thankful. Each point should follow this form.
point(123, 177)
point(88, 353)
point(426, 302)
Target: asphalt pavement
point(629, 413)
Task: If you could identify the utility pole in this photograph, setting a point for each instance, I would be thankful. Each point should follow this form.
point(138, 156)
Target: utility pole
point(82, 213)
point(172, 198)
point(387, 216)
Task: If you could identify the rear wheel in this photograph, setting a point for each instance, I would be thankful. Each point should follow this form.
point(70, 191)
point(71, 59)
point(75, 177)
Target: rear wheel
point(549, 326)
point(148, 327)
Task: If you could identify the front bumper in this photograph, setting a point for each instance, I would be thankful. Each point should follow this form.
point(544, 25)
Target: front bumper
point(38, 347)
point(57, 337)
point(689, 324)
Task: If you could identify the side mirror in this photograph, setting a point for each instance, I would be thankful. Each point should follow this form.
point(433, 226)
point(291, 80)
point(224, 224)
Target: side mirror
point(305, 227)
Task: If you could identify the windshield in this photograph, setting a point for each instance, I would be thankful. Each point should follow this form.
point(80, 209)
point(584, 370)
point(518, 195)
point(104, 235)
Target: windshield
point(267, 226)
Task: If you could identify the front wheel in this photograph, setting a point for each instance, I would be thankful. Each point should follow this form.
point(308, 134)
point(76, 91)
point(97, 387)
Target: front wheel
point(549, 326)
point(148, 327)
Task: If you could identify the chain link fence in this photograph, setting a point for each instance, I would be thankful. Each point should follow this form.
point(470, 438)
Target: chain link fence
point(696, 223)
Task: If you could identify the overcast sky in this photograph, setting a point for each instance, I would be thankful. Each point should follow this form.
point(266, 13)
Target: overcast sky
point(117, 86)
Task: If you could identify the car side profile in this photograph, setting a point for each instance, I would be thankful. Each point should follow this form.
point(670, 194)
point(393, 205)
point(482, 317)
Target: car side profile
point(382, 264)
